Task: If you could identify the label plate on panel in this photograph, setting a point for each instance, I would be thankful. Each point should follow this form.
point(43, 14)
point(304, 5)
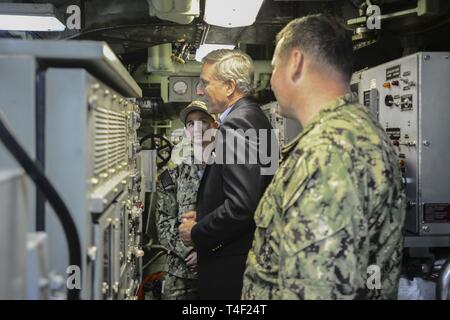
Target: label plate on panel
point(393, 72)
point(436, 212)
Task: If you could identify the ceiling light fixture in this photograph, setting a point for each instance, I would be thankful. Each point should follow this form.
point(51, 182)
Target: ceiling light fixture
point(30, 17)
point(206, 48)
point(231, 13)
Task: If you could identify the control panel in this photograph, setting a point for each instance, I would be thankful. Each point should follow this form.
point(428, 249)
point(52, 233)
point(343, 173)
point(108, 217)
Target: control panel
point(97, 168)
point(410, 98)
point(288, 129)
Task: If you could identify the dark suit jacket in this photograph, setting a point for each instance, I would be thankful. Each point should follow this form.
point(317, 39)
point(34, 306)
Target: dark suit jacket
point(226, 200)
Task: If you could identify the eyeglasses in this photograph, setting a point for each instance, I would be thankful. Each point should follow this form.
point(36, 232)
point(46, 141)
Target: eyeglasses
point(202, 84)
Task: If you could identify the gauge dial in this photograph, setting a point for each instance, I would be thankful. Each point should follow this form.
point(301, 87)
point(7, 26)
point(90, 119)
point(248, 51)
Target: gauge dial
point(180, 87)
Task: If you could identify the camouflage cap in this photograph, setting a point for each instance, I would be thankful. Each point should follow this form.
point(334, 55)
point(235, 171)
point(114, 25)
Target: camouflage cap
point(195, 105)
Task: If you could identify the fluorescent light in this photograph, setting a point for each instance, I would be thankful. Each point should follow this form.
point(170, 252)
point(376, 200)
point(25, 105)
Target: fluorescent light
point(231, 13)
point(29, 17)
point(206, 48)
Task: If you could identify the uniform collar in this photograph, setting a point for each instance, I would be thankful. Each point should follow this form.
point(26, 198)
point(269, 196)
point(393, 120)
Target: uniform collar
point(327, 108)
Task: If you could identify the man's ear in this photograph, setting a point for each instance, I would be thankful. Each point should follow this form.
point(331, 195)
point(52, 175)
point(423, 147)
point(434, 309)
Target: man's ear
point(296, 65)
point(231, 87)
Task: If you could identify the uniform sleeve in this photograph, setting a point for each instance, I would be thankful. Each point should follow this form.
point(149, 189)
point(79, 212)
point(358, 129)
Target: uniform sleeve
point(167, 223)
point(323, 232)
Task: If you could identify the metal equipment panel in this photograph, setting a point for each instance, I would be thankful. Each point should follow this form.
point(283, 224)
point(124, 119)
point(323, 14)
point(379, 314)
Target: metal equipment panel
point(88, 142)
point(96, 57)
point(288, 129)
point(18, 95)
point(434, 145)
point(13, 234)
point(67, 162)
point(400, 124)
point(91, 167)
point(180, 89)
point(412, 107)
point(104, 288)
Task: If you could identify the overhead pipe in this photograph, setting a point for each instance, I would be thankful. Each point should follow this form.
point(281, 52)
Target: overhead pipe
point(179, 11)
point(164, 6)
point(183, 5)
point(159, 58)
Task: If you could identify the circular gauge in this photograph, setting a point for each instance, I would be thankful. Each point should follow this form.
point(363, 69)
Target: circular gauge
point(180, 87)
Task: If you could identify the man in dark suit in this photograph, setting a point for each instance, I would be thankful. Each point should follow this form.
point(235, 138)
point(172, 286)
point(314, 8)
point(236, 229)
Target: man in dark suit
point(222, 228)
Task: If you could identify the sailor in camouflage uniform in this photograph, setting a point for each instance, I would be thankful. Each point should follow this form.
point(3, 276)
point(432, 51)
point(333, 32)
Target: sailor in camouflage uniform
point(329, 226)
point(177, 193)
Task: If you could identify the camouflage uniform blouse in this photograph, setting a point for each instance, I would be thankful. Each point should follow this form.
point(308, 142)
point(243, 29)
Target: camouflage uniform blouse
point(335, 207)
point(171, 204)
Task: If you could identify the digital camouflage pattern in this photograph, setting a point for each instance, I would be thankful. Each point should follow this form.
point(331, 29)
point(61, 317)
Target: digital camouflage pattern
point(171, 204)
point(176, 288)
point(335, 207)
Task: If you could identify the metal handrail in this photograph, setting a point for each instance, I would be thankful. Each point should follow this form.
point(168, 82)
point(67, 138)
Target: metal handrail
point(442, 288)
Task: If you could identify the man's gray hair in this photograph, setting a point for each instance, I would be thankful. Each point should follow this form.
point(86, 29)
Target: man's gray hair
point(232, 65)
